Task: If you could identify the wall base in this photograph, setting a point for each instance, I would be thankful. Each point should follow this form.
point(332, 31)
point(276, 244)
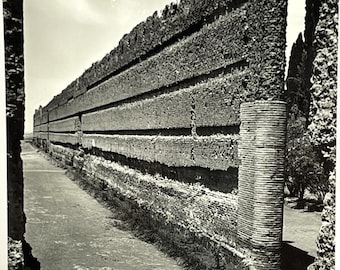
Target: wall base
point(196, 245)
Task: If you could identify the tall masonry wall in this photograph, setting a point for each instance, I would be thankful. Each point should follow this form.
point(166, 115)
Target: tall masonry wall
point(15, 97)
point(323, 119)
point(183, 122)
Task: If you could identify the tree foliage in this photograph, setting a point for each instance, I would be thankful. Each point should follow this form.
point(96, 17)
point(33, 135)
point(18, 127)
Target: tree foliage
point(304, 163)
point(305, 168)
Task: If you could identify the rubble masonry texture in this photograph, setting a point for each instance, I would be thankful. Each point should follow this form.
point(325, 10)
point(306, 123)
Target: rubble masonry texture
point(323, 121)
point(170, 94)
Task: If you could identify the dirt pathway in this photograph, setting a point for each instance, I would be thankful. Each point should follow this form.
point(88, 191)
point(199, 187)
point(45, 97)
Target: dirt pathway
point(300, 231)
point(68, 229)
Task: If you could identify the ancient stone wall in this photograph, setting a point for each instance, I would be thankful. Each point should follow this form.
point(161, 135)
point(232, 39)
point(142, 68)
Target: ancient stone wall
point(19, 251)
point(156, 124)
point(14, 66)
point(323, 120)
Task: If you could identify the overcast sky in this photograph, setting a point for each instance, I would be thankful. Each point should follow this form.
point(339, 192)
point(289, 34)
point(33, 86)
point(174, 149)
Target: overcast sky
point(64, 37)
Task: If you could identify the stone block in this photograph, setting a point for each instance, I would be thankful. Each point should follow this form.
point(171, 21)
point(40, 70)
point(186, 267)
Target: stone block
point(213, 152)
point(64, 138)
point(66, 125)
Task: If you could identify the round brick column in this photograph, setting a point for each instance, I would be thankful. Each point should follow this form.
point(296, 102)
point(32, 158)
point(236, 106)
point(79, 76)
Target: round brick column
point(261, 181)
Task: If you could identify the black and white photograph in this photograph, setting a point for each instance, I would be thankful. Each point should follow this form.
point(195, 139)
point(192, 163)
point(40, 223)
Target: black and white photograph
point(169, 134)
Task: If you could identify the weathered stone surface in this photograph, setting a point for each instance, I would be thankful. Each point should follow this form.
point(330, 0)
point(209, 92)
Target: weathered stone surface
point(185, 59)
point(259, 38)
point(168, 111)
point(66, 125)
point(190, 205)
point(217, 102)
point(66, 138)
point(266, 33)
point(37, 118)
point(62, 154)
point(43, 128)
point(323, 120)
point(43, 135)
point(212, 103)
point(37, 129)
point(194, 207)
point(247, 32)
point(15, 96)
point(175, 22)
point(214, 152)
point(326, 238)
point(44, 117)
point(174, 102)
point(324, 88)
point(15, 254)
point(201, 248)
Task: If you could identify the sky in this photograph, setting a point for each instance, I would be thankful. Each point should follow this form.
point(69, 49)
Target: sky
point(62, 38)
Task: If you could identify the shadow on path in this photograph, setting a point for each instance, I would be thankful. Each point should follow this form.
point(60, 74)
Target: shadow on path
point(294, 258)
point(31, 263)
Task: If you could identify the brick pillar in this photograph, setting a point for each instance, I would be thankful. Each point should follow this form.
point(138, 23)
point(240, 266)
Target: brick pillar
point(261, 180)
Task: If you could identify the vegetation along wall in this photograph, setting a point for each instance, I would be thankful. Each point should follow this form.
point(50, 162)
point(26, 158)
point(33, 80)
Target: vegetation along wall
point(311, 99)
point(183, 122)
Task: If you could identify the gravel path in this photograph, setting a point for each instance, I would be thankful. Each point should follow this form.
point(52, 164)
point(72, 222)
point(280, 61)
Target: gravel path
point(301, 229)
point(68, 229)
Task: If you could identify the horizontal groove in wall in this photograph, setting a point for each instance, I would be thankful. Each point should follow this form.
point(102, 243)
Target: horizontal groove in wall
point(67, 145)
point(157, 49)
point(208, 131)
point(162, 132)
point(62, 132)
point(71, 138)
point(200, 131)
point(217, 152)
point(239, 65)
point(217, 180)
